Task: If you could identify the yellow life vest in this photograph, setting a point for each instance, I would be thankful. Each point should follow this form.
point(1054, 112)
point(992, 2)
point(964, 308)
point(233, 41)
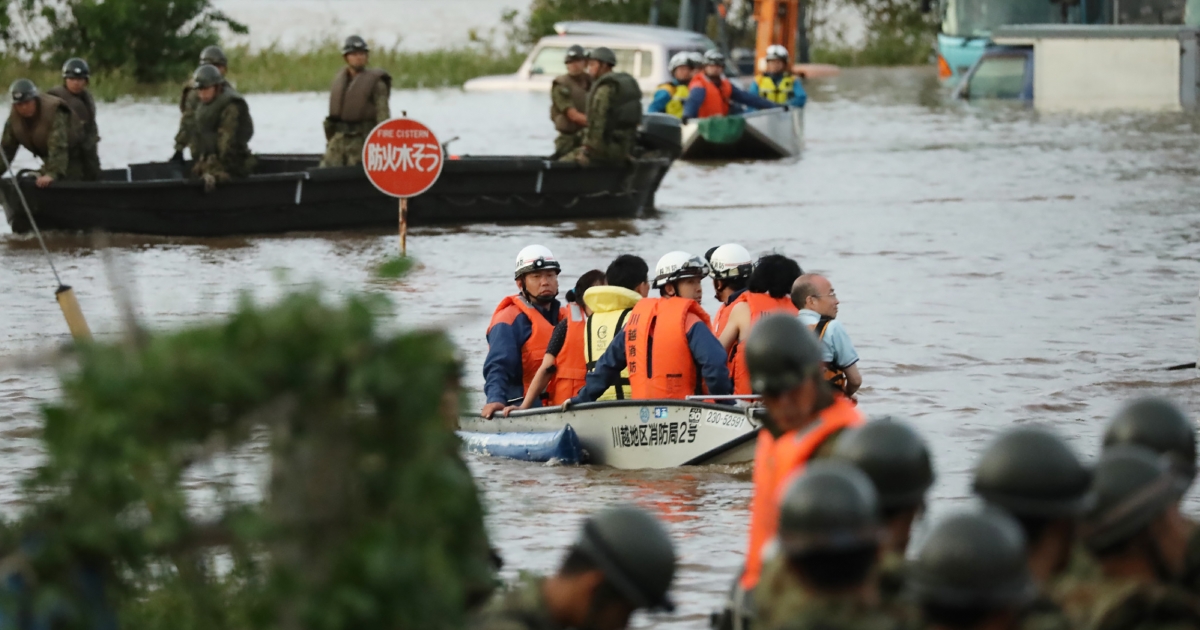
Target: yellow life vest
point(679, 94)
point(610, 306)
point(776, 93)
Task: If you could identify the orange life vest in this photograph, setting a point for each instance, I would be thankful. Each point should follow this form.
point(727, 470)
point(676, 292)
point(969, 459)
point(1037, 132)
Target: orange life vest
point(834, 375)
point(656, 349)
point(716, 100)
point(534, 349)
point(776, 461)
point(570, 364)
point(760, 304)
point(723, 312)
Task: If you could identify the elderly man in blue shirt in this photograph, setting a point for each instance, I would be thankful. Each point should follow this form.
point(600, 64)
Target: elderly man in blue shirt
point(814, 295)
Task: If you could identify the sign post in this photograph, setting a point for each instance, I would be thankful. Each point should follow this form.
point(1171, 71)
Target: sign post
point(402, 158)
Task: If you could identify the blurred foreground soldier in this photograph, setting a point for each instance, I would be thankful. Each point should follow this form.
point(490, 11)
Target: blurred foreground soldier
point(45, 126)
point(623, 560)
point(568, 102)
point(1137, 536)
point(971, 573)
point(900, 467)
point(189, 100)
point(74, 92)
point(614, 110)
point(829, 532)
point(221, 130)
point(358, 101)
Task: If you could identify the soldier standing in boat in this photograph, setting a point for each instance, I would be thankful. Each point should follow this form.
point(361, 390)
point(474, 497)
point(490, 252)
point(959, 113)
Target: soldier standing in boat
point(568, 102)
point(614, 110)
point(188, 101)
point(45, 126)
point(221, 130)
point(358, 100)
point(74, 92)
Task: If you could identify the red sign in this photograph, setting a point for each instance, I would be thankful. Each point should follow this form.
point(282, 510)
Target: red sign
point(402, 157)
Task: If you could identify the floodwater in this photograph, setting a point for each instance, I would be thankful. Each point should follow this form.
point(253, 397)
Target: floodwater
point(995, 267)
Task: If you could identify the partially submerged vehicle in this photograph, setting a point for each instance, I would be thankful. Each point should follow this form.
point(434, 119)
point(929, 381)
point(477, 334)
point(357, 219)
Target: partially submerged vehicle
point(767, 134)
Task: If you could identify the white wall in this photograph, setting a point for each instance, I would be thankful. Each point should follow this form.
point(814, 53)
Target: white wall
point(1080, 74)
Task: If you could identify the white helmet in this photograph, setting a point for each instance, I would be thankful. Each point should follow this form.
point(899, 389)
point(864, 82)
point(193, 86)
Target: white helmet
point(680, 60)
point(696, 58)
point(677, 265)
point(731, 261)
point(775, 51)
point(535, 258)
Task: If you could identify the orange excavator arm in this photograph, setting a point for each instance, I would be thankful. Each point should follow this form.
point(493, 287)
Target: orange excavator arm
point(777, 24)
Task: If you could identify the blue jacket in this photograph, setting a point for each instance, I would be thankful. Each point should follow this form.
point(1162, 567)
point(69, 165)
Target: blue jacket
point(658, 104)
point(696, 98)
point(706, 352)
point(503, 376)
point(799, 96)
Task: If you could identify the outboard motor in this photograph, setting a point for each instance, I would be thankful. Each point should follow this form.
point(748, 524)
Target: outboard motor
point(662, 134)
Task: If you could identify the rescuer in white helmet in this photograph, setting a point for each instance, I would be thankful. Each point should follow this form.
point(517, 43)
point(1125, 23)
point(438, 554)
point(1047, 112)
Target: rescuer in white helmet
point(777, 84)
point(520, 329)
point(684, 355)
point(730, 266)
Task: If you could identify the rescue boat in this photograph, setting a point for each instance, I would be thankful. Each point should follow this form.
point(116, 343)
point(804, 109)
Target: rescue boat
point(761, 135)
point(629, 434)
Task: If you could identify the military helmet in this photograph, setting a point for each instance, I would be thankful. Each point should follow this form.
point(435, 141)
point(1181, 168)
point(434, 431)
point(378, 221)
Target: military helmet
point(1031, 472)
point(781, 353)
point(575, 53)
point(213, 56)
point(23, 90)
point(832, 506)
point(76, 68)
point(1133, 486)
point(603, 55)
point(354, 43)
point(1161, 426)
point(207, 76)
point(973, 560)
point(714, 57)
point(635, 553)
point(895, 458)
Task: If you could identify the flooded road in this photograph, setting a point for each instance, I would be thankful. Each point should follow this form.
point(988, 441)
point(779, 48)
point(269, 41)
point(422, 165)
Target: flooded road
point(994, 266)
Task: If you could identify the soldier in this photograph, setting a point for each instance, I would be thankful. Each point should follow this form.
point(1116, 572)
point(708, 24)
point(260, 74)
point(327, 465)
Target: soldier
point(220, 131)
point(614, 110)
point(74, 92)
point(1138, 536)
point(568, 102)
point(623, 560)
point(829, 533)
point(358, 100)
point(188, 101)
point(898, 463)
point(45, 126)
point(971, 573)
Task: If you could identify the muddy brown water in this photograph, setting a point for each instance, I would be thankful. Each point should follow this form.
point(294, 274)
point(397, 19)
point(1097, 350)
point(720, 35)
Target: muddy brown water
point(995, 267)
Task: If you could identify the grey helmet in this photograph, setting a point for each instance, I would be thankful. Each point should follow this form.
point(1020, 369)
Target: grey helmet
point(1161, 426)
point(1133, 487)
point(23, 90)
point(207, 76)
point(781, 354)
point(213, 56)
point(714, 57)
point(894, 456)
point(832, 506)
point(76, 68)
point(1031, 472)
point(973, 560)
point(354, 43)
point(635, 553)
point(575, 53)
point(603, 55)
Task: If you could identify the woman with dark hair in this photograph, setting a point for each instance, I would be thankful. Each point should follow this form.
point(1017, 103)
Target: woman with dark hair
point(564, 367)
point(769, 291)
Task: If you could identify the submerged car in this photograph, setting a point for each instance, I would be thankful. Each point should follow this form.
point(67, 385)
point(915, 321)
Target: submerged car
point(642, 51)
point(1002, 73)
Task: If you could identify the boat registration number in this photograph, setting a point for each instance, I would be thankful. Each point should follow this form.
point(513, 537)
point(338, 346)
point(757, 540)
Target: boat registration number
point(724, 420)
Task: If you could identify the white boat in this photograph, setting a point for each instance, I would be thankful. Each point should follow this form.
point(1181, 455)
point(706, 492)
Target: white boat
point(767, 134)
point(641, 433)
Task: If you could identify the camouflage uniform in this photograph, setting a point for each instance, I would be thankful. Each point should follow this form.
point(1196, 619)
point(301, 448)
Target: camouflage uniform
point(84, 108)
point(783, 604)
point(891, 578)
point(220, 133)
point(1107, 603)
point(353, 114)
point(188, 102)
point(614, 109)
point(62, 157)
point(522, 607)
point(568, 92)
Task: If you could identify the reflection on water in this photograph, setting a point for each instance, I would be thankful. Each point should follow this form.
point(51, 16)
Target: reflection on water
point(995, 266)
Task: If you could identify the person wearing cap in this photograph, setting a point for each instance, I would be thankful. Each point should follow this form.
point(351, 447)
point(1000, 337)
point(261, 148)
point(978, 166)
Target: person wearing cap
point(776, 84)
point(189, 101)
point(47, 128)
point(622, 561)
point(684, 357)
point(813, 294)
point(568, 102)
point(769, 291)
point(711, 93)
point(358, 101)
point(614, 111)
point(731, 265)
point(829, 541)
point(74, 92)
point(520, 331)
point(670, 96)
point(1137, 535)
point(221, 130)
point(804, 420)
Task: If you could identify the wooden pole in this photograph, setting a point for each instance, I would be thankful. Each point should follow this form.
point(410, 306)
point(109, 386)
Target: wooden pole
point(404, 226)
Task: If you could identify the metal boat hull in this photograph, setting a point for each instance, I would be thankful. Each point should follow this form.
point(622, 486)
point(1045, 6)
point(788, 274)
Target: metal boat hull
point(769, 134)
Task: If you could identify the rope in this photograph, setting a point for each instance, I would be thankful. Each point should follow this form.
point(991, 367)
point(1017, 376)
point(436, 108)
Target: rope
point(32, 223)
